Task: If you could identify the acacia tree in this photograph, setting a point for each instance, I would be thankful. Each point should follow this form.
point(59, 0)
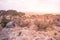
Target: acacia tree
point(12, 12)
point(15, 13)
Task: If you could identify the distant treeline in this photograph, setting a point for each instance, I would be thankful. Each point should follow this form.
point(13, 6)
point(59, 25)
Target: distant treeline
point(10, 12)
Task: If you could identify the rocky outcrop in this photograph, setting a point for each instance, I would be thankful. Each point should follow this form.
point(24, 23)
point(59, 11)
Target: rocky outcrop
point(25, 34)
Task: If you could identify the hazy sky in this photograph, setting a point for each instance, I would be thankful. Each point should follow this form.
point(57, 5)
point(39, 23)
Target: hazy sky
point(31, 5)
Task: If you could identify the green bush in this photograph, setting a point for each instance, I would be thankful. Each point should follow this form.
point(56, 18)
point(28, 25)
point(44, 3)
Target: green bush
point(4, 22)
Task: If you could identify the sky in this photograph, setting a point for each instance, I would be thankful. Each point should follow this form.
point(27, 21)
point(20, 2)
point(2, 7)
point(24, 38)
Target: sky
point(46, 6)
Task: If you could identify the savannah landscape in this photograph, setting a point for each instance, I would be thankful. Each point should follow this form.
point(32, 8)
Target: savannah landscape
point(23, 26)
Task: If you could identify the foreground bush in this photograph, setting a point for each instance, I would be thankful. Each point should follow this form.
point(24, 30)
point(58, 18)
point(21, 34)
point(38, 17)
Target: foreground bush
point(4, 22)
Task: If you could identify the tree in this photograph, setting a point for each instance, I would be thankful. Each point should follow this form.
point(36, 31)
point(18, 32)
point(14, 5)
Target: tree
point(12, 12)
point(3, 12)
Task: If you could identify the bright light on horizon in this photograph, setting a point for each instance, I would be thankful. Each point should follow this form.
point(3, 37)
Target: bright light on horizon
point(46, 6)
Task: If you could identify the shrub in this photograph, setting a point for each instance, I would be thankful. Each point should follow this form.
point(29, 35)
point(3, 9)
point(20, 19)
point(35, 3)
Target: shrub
point(4, 22)
point(24, 23)
point(56, 21)
point(1, 27)
point(41, 26)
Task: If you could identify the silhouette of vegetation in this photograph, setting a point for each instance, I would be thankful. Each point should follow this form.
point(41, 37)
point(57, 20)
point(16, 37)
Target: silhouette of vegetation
point(11, 12)
point(2, 12)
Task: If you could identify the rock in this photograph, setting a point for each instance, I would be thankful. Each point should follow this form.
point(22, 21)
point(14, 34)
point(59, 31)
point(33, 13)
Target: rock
point(56, 21)
point(51, 39)
point(18, 38)
point(5, 38)
point(41, 37)
point(24, 34)
point(10, 24)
